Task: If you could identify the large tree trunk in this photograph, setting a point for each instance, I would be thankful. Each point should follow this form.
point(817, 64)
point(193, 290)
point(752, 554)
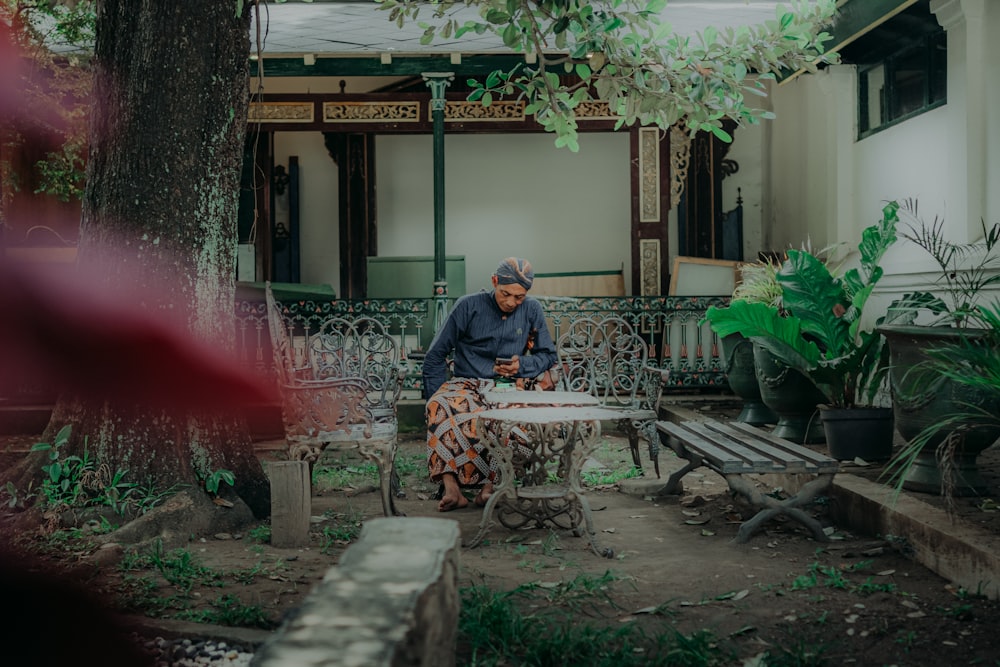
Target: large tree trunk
point(160, 214)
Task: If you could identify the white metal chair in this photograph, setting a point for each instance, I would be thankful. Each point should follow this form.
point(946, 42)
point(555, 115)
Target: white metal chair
point(603, 356)
point(340, 383)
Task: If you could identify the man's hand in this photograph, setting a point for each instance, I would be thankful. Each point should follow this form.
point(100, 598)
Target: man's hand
point(507, 370)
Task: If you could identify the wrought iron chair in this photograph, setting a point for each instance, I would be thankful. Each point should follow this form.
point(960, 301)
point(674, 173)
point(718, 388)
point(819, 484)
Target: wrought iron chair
point(603, 356)
point(339, 382)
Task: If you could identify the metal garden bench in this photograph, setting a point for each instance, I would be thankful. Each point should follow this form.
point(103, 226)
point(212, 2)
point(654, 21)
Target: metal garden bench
point(736, 449)
point(340, 382)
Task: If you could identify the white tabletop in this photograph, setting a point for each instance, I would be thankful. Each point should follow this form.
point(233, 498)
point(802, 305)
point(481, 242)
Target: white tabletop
point(505, 398)
point(551, 414)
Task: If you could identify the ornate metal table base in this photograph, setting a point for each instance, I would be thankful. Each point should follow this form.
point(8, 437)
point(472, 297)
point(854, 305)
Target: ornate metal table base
point(539, 453)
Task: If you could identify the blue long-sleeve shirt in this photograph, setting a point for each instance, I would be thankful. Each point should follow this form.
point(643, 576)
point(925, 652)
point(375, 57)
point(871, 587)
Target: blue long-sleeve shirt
point(478, 332)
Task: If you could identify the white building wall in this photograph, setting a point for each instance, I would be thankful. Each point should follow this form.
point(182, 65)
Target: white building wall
point(509, 195)
point(826, 185)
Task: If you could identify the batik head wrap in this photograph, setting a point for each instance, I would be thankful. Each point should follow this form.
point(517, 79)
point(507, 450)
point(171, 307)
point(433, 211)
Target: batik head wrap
point(515, 270)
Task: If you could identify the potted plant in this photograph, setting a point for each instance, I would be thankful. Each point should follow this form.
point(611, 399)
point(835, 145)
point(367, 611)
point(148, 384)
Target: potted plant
point(758, 283)
point(921, 329)
point(820, 332)
point(970, 366)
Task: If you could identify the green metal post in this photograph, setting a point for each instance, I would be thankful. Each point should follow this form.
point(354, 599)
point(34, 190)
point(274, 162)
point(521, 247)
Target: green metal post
point(437, 82)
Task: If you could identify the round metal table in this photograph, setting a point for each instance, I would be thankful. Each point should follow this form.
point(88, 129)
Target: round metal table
point(539, 452)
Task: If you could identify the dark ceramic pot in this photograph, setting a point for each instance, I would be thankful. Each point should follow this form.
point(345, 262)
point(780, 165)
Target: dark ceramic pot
point(741, 371)
point(791, 396)
point(921, 397)
point(858, 433)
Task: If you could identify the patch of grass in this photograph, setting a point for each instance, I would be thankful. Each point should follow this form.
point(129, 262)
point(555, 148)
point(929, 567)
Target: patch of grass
point(247, 575)
point(346, 529)
point(605, 478)
point(907, 640)
point(331, 477)
point(229, 610)
point(493, 630)
point(181, 569)
point(260, 534)
point(867, 587)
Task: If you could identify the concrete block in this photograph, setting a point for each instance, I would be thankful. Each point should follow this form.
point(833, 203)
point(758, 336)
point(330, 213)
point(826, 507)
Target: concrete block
point(391, 601)
point(960, 552)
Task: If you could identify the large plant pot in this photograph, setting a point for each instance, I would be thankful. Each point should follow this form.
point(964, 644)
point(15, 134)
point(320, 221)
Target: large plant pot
point(741, 371)
point(921, 398)
point(792, 397)
point(858, 433)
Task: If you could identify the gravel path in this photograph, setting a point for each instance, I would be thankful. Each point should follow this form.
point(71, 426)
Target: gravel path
point(197, 653)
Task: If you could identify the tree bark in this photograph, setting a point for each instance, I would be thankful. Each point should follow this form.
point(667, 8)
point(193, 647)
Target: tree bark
point(159, 226)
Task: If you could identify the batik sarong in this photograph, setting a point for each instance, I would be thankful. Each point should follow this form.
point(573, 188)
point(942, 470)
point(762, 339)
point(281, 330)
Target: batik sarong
point(451, 432)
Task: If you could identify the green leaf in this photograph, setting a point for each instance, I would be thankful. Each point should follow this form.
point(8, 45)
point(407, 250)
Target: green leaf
point(62, 437)
point(816, 298)
point(511, 35)
point(722, 134)
point(497, 16)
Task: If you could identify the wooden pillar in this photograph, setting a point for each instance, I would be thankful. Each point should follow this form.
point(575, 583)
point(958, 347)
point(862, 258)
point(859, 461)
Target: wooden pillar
point(354, 154)
point(649, 149)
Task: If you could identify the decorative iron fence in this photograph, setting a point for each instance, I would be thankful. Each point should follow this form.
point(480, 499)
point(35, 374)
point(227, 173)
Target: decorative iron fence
point(671, 326)
point(404, 318)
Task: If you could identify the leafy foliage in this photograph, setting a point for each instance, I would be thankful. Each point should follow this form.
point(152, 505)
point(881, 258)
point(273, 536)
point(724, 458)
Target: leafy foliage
point(965, 271)
point(972, 362)
point(621, 52)
point(818, 330)
point(53, 88)
point(83, 481)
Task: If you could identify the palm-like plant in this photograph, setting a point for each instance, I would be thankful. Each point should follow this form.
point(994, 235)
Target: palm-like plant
point(966, 270)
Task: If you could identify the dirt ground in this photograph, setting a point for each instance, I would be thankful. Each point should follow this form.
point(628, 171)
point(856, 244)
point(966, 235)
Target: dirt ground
point(853, 600)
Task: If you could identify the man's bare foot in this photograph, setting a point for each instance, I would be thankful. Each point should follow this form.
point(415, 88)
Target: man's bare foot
point(484, 494)
point(452, 499)
point(449, 502)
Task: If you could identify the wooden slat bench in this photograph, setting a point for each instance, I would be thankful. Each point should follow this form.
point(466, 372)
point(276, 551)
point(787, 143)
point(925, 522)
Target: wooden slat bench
point(736, 449)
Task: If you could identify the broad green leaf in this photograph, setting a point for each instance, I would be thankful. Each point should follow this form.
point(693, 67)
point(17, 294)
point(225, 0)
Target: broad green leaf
point(817, 299)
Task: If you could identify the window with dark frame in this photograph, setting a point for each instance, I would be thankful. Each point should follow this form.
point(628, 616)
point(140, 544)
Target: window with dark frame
point(903, 84)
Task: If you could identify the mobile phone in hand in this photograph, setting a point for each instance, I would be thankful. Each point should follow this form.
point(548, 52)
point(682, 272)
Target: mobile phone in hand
point(503, 361)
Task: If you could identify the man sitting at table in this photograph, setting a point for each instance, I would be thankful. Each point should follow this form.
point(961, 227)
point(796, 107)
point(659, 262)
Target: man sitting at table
point(497, 337)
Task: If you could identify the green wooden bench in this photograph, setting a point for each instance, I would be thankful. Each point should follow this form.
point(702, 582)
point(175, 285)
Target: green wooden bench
point(734, 450)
